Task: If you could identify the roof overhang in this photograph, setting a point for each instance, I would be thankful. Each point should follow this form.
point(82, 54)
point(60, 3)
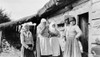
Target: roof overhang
point(50, 8)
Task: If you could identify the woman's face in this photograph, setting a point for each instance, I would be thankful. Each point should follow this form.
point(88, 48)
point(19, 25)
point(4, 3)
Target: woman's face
point(53, 25)
point(47, 23)
point(44, 24)
point(26, 27)
point(66, 21)
point(72, 22)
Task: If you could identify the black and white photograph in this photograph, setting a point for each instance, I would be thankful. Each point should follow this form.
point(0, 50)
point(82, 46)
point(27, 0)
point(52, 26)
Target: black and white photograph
point(49, 28)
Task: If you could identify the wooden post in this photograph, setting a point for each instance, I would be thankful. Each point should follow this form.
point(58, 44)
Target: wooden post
point(36, 40)
point(0, 41)
point(37, 45)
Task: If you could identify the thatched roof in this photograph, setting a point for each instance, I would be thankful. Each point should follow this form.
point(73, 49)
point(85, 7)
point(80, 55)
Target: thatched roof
point(46, 11)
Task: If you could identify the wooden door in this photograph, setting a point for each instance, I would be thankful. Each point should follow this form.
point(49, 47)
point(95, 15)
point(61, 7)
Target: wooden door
point(83, 24)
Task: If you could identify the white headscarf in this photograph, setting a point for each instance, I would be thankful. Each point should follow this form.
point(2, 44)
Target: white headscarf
point(43, 20)
point(23, 27)
point(41, 23)
point(51, 28)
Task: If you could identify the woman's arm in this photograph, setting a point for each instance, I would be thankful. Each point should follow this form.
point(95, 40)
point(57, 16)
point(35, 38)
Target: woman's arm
point(32, 39)
point(22, 40)
point(39, 31)
point(64, 31)
point(58, 33)
point(78, 30)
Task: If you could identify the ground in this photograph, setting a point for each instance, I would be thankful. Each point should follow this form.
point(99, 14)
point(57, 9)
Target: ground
point(11, 53)
point(16, 53)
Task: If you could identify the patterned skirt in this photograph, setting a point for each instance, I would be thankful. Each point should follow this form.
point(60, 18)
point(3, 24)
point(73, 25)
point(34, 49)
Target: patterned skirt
point(72, 48)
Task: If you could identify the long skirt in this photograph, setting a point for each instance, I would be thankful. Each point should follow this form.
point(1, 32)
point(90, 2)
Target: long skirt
point(26, 52)
point(55, 46)
point(72, 48)
point(45, 46)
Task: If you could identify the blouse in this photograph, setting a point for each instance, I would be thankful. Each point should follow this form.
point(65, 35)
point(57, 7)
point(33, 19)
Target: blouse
point(73, 31)
point(26, 38)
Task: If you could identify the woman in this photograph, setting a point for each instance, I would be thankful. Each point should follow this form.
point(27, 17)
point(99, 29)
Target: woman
point(26, 41)
point(73, 32)
point(66, 23)
point(43, 36)
point(54, 40)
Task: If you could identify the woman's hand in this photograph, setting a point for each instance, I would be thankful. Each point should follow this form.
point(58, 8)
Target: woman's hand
point(25, 45)
point(30, 48)
point(76, 38)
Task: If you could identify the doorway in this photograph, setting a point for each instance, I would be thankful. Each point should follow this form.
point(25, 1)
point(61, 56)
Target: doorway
point(83, 24)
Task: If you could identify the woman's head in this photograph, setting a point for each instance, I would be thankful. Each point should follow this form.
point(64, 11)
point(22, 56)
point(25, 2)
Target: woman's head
point(66, 21)
point(72, 21)
point(43, 22)
point(25, 27)
point(52, 26)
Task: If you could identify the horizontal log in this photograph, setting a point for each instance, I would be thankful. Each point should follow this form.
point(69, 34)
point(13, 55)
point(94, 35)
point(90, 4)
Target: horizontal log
point(18, 22)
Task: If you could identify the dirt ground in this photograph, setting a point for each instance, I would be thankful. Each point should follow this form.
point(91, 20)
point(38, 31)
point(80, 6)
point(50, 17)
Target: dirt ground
point(16, 53)
point(10, 53)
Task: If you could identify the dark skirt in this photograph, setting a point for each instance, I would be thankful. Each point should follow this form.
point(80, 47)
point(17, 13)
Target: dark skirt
point(26, 52)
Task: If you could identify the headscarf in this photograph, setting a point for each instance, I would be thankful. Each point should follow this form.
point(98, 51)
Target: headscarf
point(43, 20)
point(40, 27)
point(24, 27)
point(51, 28)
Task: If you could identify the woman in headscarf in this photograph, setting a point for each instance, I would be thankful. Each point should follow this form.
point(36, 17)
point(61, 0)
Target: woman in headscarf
point(54, 39)
point(43, 35)
point(73, 32)
point(26, 41)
